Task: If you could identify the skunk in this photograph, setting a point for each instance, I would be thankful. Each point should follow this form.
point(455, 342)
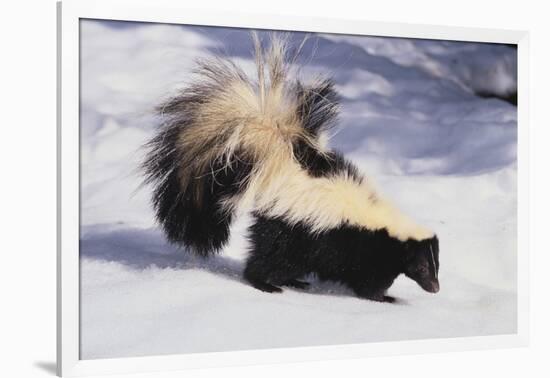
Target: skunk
point(230, 142)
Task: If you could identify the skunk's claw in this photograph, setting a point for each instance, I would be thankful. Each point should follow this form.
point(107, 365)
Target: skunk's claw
point(297, 284)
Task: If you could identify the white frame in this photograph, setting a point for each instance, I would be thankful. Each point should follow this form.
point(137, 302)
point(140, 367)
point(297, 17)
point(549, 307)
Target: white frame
point(171, 11)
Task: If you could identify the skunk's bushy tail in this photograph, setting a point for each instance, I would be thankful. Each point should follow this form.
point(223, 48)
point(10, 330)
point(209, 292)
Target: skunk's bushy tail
point(225, 137)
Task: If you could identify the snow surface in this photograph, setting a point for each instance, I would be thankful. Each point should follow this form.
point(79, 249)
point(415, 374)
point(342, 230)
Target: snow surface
point(410, 119)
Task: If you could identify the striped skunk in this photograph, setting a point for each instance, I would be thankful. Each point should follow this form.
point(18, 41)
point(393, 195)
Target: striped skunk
point(230, 142)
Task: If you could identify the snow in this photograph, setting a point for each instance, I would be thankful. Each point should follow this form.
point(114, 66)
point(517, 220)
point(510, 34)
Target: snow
point(410, 119)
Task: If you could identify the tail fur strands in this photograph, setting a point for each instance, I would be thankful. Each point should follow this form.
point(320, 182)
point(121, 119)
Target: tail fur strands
point(225, 134)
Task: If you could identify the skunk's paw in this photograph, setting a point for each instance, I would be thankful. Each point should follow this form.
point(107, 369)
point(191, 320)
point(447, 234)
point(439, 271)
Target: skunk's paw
point(377, 296)
point(266, 287)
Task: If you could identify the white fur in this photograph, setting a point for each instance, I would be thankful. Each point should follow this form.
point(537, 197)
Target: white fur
point(286, 190)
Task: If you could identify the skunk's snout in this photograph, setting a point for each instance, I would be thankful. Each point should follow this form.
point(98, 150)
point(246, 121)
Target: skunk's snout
point(429, 285)
point(433, 287)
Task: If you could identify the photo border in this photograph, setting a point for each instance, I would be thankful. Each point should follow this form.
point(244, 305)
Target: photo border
point(172, 11)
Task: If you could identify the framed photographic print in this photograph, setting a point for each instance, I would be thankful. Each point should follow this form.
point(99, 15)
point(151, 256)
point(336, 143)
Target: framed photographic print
point(238, 189)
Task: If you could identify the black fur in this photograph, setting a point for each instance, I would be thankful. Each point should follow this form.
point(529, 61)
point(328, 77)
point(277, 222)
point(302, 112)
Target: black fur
point(318, 109)
point(366, 261)
point(323, 164)
point(318, 106)
point(191, 214)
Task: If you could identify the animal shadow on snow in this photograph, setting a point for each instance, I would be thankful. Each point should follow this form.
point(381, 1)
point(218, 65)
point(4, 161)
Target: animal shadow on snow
point(140, 249)
point(143, 248)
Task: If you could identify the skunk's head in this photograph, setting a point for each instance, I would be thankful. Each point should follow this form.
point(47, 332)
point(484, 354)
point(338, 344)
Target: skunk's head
point(422, 263)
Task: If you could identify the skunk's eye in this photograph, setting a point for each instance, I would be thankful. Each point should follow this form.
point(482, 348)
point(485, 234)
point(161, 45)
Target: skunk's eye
point(423, 269)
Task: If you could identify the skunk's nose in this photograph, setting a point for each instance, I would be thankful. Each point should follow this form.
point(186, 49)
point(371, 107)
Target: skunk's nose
point(434, 287)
